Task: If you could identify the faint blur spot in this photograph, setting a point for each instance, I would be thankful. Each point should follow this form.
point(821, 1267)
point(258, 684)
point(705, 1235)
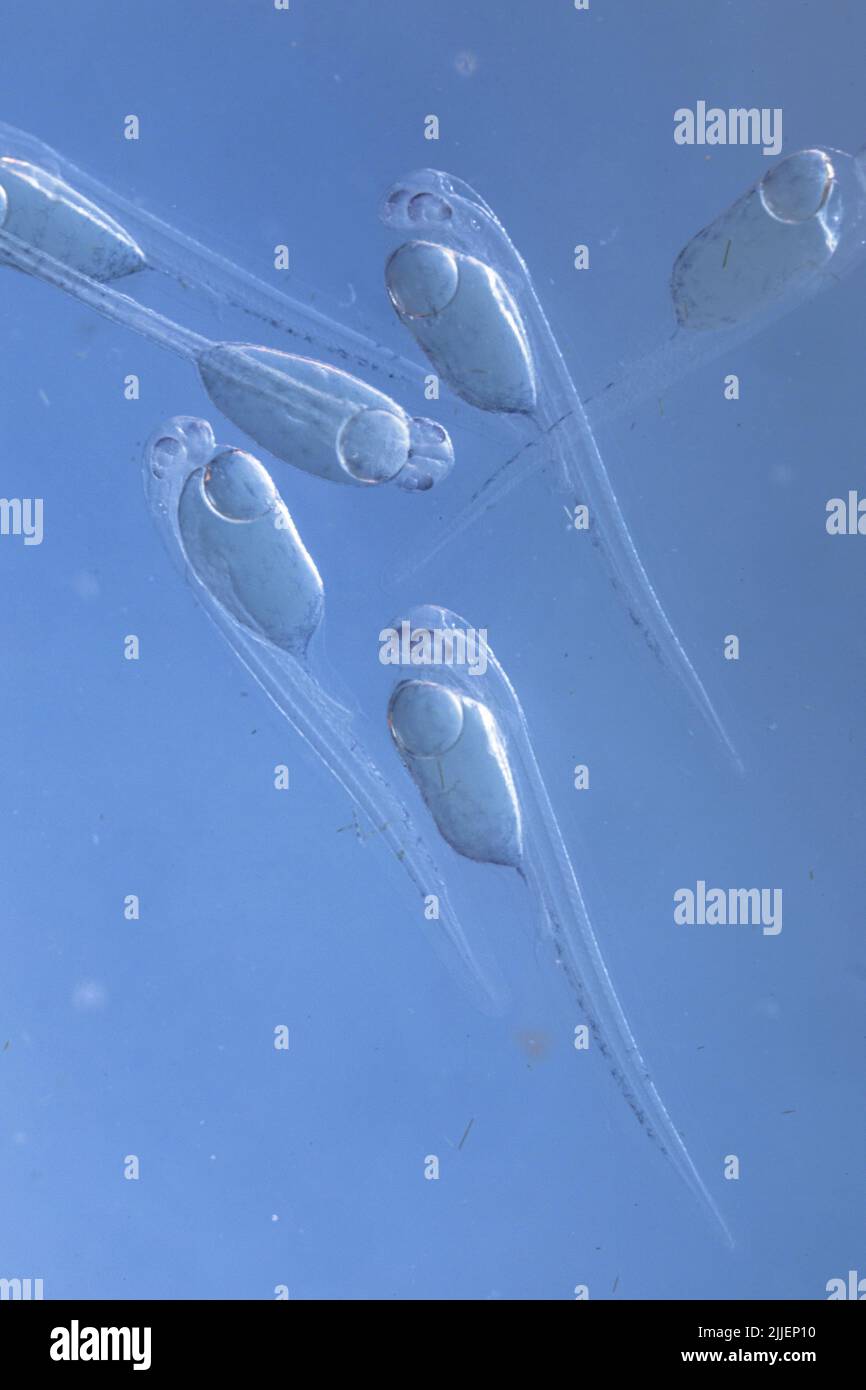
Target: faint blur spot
point(535, 1044)
point(769, 1008)
point(85, 584)
point(465, 63)
point(89, 995)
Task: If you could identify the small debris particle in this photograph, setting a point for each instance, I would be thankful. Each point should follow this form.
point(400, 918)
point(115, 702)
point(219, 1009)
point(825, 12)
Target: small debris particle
point(466, 1134)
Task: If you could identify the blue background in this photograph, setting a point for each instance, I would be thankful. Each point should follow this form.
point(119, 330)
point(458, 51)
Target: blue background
point(155, 1038)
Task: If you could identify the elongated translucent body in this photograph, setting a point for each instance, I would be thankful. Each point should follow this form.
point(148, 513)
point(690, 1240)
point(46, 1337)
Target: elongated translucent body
point(309, 414)
point(231, 536)
point(465, 743)
point(49, 191)
point(466, 295)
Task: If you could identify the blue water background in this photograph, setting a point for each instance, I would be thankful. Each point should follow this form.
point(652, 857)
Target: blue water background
point(306, 1169)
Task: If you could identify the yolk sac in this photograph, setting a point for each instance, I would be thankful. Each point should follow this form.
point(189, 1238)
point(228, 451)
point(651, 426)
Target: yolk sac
point(48, 215)
point(317, 417)
point(242, 544)
point(464, 318)
point(763, 249)
point(454, 751)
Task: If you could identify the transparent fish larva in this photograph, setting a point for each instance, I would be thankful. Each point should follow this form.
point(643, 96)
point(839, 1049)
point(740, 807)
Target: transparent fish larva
point(464, 741)
point(799, 230)
point(464, 292)
point(310, 414)
point(49, 195)
point(229, 533)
